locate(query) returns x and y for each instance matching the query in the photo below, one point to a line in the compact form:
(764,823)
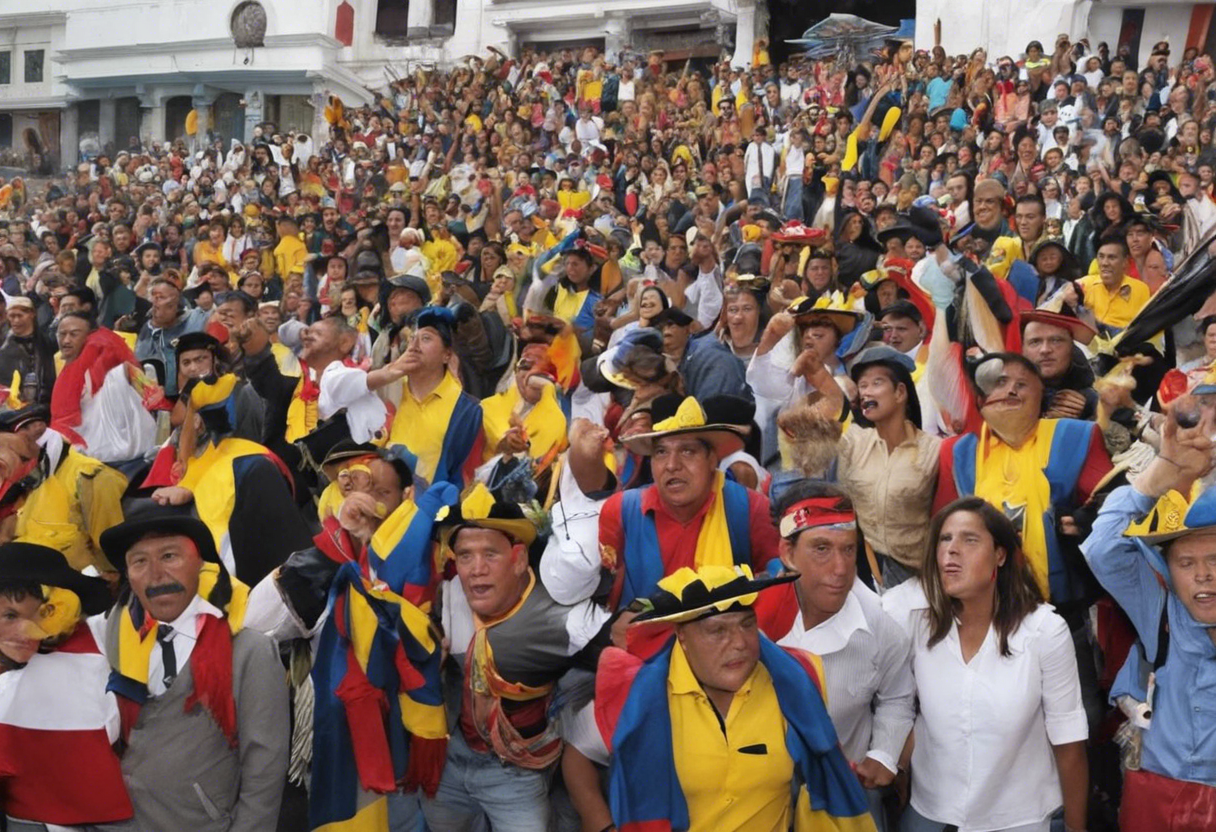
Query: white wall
(1002,27)
(16,39)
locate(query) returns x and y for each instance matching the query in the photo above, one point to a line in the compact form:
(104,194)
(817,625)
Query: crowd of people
(602,442)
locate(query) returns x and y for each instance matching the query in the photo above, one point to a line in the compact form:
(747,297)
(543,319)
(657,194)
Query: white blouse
(983,759)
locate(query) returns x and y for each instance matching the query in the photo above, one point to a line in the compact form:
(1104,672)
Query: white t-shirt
(588,129)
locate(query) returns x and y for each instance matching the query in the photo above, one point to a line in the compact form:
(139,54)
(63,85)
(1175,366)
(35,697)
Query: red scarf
(103,351)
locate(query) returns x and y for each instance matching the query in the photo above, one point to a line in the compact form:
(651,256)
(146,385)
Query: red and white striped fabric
(57,765)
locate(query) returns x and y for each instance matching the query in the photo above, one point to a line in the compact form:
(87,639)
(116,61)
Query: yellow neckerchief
(215,502)
(301,413)
(713,541)
(567,304)
(485,679)
(1012,479)
(135,649)
(545,423)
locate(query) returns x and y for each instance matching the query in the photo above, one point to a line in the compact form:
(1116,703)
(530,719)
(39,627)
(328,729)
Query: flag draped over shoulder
(379,719)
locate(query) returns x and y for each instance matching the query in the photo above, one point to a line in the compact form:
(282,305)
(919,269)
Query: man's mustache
(164,589)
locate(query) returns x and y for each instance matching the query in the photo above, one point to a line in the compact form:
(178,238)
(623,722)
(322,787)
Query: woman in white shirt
(237,240)
(999,743)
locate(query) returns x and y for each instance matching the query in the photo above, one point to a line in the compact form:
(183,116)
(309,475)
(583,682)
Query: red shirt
(678,541)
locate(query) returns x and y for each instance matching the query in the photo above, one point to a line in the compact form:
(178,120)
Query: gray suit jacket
(178,766)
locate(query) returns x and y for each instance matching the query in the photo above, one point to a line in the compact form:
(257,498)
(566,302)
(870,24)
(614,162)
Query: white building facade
(134,69)
(1005,27)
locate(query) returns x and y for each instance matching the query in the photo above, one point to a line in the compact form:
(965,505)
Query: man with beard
(1037,470)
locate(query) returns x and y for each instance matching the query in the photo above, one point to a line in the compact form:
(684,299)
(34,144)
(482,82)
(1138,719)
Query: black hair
(1027,199)
(84,294)
(87,317)
(244,299)
(1115,237)
(17,590)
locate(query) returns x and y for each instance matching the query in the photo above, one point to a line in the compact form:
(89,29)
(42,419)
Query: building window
(6,67)
(33,66)
(392,18)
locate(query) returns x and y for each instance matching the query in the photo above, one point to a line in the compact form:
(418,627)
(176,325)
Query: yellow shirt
(1115,309)
(728,790)
(289,257)
(422,425)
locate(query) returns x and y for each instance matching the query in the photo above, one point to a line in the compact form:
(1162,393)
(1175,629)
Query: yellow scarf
(1012,479)
(393,527)
(713,541)
(135,650)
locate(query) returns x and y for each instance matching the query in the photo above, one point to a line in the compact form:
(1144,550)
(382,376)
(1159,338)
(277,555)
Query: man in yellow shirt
(290,252)
(436,420)
(1112,295)
(722,730)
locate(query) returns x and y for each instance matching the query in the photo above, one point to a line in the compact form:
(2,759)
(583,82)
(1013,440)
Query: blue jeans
(405,812)
(793,199)
(874,798)
(481,786)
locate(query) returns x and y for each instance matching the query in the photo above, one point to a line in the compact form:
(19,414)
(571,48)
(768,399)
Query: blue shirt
(160,344)
(938,90)
(1181,741)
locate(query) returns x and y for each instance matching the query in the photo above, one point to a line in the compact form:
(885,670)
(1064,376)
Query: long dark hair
(1017,594)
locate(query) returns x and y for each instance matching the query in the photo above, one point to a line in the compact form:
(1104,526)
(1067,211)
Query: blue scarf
(643,789)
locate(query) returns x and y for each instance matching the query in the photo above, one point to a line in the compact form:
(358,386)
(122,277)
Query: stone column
(201,100)
(617,34)
(419,19)
(107,115)
(254,112)
(745,34)
(69,136)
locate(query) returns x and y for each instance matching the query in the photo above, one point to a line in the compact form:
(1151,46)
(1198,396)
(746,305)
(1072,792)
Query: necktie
(164,635)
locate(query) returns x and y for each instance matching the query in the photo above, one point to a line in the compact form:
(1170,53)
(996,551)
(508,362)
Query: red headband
(812,512)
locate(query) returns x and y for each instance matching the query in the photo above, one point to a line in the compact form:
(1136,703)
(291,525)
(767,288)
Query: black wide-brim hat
(32,562)
(145,516)
(688,595)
